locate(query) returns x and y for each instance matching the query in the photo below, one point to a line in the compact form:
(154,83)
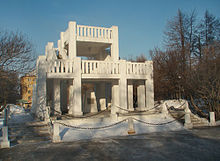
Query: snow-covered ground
(178,104)
(15,109)
(16,114)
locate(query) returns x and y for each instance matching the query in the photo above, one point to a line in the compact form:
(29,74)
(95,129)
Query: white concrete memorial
(90,55)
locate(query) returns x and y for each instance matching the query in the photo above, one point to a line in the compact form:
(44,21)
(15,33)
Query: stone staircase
(28,131)
(196,120)
(33,132)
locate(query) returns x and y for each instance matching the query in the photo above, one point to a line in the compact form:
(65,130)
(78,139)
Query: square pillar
(41,87)
(130,96)
(149,86)
(71,97)
(123,94)
(123,87)
(114,46)
(72,39)
(212,118)
(141,95)
(77,106)
(75,97)
(101,95)
(115,97)
(188,124)
(56,133)
(56,96)
(5,143)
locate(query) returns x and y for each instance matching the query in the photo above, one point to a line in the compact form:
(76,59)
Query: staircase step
(29,140)
(199,123)
(31,132)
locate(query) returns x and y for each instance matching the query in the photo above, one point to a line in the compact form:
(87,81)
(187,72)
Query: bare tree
(16,58)
(205,83)
(189,67)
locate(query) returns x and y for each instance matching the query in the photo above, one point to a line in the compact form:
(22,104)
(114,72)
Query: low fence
(130,120)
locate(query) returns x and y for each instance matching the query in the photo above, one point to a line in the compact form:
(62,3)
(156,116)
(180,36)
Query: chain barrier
(136,111)
(92,128)
(179,118)
(168,108)
(176,109)
(68,116)
(108,126)
(158,124)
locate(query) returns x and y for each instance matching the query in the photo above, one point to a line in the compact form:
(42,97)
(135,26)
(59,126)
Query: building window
(29,91)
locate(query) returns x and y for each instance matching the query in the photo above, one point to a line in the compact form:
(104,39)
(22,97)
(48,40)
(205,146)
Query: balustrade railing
(61,66)
(136,68)
(94,32)
(99,67)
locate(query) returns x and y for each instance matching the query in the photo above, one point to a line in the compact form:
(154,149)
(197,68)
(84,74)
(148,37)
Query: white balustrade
(61,66)
(94,32)
(136,68)
(99,67)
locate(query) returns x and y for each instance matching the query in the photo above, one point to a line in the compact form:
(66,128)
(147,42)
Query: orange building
(27,83)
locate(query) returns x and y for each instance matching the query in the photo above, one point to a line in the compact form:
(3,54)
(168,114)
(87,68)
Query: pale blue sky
(141,22)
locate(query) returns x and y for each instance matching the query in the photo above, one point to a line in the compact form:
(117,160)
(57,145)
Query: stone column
(72,39)
(123,87)
(71,97)
(114,47)
(130,96)
(76,102)
(93,105)
(149,86)
(149,89)
(101,96)
(115,97)
(41,87)
(56,96)
(141,96)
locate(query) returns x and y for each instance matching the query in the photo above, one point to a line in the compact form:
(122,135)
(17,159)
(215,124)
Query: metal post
(5,116)
(212,118)
(188,123)
(130,126)
(56,133)
(5,143)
